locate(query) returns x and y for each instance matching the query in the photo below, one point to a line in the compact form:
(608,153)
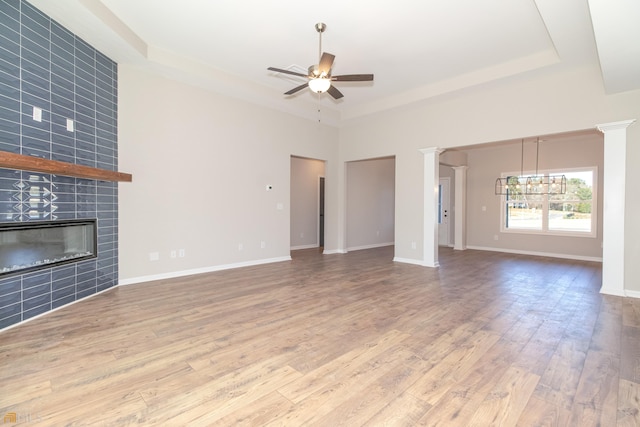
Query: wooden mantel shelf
(37,164)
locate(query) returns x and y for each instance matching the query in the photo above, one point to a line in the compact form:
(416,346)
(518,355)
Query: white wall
(305,175)
(370,203)
(486,164)
(200,165)
(551,100)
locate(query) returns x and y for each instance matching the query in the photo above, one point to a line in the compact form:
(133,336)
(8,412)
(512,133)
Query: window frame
(545,231)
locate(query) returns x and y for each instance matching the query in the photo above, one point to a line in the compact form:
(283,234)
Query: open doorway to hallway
(307,203)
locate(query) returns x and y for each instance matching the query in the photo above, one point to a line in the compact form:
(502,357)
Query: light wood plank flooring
(355,339)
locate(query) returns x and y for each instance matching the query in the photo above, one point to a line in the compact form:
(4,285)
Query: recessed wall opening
(28,246)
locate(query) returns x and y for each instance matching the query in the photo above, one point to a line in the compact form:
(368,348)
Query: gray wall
(486,164)
(370,203)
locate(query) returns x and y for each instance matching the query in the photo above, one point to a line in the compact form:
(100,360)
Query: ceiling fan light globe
(319,85)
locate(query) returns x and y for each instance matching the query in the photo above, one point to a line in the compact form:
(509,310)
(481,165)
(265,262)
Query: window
(572,213)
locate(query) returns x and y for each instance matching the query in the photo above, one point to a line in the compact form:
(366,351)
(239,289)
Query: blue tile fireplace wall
(45,66)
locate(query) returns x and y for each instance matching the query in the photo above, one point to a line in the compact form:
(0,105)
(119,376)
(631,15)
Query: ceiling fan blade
(353,78)
(326,61)
(334,92)
(296,89)
(293,73)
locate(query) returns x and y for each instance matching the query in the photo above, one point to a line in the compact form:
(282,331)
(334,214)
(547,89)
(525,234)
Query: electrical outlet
(173,254)
(413,245)
(263,245)
(154,256)
(181,253)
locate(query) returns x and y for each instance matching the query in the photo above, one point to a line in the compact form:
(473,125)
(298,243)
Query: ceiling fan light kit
(319,76)
(319,85)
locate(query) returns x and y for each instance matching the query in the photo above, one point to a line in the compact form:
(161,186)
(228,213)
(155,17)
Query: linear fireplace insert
(27,246)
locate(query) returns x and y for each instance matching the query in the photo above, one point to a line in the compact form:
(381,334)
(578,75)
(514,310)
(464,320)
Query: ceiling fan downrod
(320,27)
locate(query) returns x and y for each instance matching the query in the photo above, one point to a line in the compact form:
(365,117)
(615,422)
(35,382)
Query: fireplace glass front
(27,246)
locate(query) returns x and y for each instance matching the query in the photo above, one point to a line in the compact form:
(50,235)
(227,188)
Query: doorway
(321,212)
(444,212)
(307,219)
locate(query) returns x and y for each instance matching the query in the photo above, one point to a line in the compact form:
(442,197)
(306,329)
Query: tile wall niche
(43,65)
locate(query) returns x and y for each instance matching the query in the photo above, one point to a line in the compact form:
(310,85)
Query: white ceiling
(416,49)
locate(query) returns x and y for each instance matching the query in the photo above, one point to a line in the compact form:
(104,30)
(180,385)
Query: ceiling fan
(319,76)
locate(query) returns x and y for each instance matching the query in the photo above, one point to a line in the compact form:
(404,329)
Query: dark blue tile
(104,64)
(84,267)
(9,142)
(10,285)
(35,96)
(64,102)
(89,113)
(9,126)
(35,133)
(63,276)
(9,106)
(10,299)
(65,139)
(61,56)
(11,9)
(64,291)
(63,301)
(85,81)
(35,56)
(85,97)
(87,292)
(10,57)
(35,15)
(10,310)
(61,69)
(62,33)
(10,84)
(11,115)
(35,39)
(36,144)
(37,81)
(6,67)
(10,38)
(37,33)
(35,279)
(12,320)
(85,133)
(35,291)
(36,69)
(32,312)
(84,49)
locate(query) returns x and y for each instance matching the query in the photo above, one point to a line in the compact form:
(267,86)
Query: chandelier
(532,184)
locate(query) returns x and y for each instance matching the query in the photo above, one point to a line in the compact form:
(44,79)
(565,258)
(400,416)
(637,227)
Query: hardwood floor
(355,339)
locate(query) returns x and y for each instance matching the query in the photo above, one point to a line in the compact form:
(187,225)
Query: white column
(460,222)
(615,147)
(431,182)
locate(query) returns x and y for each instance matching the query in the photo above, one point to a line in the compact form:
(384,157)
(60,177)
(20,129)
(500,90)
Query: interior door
(443,212)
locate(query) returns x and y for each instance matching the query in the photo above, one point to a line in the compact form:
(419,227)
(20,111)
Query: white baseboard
(534,253)
(191,272)
(415,262)
(297,248)
(375,245)
(632,294)
(333,251)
